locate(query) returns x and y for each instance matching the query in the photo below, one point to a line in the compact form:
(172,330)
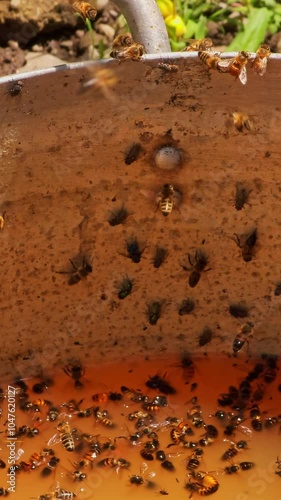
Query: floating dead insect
(125,288)
(205,336)
(118,217)
(186,307)
(168,68)
(133,153)
(160,384)
(75,371)
(159,256)
(168,198)
(134,250)
(247,246)
(241,196)
(103,79)
(124,47)
(277,290)
(259,64)
(242,122)
(85,9)
(204,44)
(244,335)
(204,483)
(154,311)
(15,88)
(198,264)
(78,273)
(239,310)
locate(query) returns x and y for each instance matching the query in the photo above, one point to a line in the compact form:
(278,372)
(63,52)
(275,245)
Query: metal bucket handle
(146,24)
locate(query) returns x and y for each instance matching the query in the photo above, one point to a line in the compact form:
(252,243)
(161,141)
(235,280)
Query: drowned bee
(235,66)
(245,333)
(85,9)
(168,198)
(259,64)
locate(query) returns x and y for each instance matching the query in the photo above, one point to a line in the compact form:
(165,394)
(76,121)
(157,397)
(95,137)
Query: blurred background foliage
(247,22)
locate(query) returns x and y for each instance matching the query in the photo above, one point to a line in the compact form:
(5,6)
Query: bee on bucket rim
(236,66)
(124,47)
(211,59)
(85,9)
(259,64)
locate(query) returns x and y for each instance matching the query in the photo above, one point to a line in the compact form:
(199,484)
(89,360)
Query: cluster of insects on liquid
(235,66)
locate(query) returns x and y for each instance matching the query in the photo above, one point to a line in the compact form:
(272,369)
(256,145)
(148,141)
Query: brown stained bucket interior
(63,175)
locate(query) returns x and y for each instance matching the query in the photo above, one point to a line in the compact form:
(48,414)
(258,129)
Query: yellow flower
(176,23)
(166,7)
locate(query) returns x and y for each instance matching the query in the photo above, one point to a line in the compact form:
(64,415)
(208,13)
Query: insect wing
(55,439)
(243,75)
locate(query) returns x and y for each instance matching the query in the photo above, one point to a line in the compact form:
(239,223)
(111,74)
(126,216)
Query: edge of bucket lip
(170,56)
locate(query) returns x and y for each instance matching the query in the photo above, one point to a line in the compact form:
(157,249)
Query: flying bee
(211,59)
(103,80)
(198,264)
(41,402)
(133,153)
(259,64)
(245,333)
(76,372)
(154,312)
(204,44)
(78,273)
(125,288)
(234,449)
(236,66)
(66,436)
(247,247)
(85,9)
(242,121)
(168,198)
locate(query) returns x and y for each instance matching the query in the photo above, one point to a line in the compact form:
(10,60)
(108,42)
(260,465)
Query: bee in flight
(103,79)
(242,121)
(204,44)
(124,47)
(259,64)
(85,9)
(235,66)
(167,198)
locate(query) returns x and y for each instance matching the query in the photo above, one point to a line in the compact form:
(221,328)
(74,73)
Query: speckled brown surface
(63,171)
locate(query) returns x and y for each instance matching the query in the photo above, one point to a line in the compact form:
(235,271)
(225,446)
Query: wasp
(167,198)
(248,245)
(85,9)
(133,153)
(259,64)
(66,436)
(76,372)
(78,273)
(118,217)
(160,384)
(125,288)
(235,66)
(198,264)
(245,333)
(211,59)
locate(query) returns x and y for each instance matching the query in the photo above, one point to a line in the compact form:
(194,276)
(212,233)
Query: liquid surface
(115,462)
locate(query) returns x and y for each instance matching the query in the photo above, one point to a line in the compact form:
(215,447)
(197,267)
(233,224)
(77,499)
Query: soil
(37,27)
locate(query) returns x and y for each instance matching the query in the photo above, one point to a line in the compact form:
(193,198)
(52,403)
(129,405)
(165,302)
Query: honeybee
(102,79)
(114,462)
(167,198)
(234,449)
(101,417)
(66,436)
(85,9)
(89,457)
(247,247)
(168,68)
(242,121)
(198,264)
(124,47)
(204,44)
(260,62)
(76,372)
(58,494)
(78,273)
(207,484)
(211,59)
(245,333)
(235,66)
(233,468)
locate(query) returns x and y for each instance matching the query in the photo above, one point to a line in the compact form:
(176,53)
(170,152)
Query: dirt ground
(35,28)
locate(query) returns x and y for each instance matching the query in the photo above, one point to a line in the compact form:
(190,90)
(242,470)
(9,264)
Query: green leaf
(190,29)
(254,32)
(201,29)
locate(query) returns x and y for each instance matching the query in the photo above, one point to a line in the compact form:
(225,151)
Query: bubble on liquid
(168,157)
